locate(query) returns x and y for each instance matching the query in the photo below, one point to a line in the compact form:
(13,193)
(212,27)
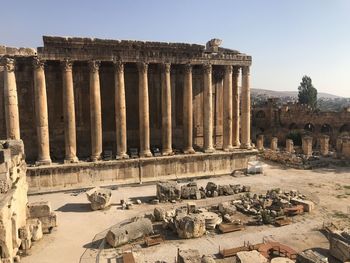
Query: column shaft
(95,111)
(245,108)
(208,109)
(166,110)
(236,108)
(41,113)
(227,125)
(144,128)
(11,100)
(69,113)
(120,111)
(187,111)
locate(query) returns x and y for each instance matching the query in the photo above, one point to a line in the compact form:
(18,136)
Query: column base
(43,162)
(189,151)
(167,152)
(209,150)
(95,158)
(146,154)
(228,148)
(246,146)
(71,160)
(122,156)
(237,145)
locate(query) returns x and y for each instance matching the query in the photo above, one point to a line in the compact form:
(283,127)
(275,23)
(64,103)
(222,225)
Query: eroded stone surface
(100,198)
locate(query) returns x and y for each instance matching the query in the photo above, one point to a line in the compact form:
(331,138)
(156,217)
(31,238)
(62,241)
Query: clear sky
(287,38)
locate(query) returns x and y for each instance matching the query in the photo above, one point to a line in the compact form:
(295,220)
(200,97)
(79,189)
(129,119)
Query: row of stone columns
(231,109)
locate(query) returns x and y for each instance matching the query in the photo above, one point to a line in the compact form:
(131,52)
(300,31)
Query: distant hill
(272,93)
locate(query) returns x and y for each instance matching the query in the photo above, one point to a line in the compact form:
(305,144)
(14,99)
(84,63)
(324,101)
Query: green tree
(307,93)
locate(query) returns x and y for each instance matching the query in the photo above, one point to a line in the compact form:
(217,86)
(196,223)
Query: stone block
(48,222)
(168,191)
(189,256)
(100,198)
(35,227)
(38,209)
(307,145)
(250,257)
(190,191)
(190,226)
(307,204)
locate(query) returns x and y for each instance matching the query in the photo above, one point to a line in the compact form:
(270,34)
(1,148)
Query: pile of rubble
(171,191)
(274,204)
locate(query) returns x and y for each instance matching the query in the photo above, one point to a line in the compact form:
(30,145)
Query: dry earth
(329,188)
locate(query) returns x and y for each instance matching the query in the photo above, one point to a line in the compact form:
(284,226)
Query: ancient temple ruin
(83,99)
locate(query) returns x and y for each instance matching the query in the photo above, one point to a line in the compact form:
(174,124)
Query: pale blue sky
(287,39)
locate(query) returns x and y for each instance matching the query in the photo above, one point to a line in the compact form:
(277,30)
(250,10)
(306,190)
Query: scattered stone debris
(339,242)
(100,198)
(120,235)
(311,256)
(168,191)
(190,191)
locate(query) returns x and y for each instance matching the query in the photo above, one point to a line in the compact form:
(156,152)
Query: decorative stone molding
(67,65)
(94,65)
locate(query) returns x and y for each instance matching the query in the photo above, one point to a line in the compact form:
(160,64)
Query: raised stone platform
(57,177)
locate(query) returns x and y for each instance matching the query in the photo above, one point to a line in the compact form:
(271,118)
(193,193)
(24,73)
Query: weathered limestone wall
(54,177)
(13,198)
(53,76)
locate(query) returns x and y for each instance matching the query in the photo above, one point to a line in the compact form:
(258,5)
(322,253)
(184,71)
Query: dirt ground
(72,242)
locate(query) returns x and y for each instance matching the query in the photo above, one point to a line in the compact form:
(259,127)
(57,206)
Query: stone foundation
(69,176)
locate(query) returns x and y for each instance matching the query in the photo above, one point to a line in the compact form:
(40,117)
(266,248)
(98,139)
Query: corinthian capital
(228,69)
(94,66)
(38,63)
(142,67)
(166,67)
(9,64)
(245,70)
(188,68)
(66,65)
(235,71)
(207,68)
(118,66)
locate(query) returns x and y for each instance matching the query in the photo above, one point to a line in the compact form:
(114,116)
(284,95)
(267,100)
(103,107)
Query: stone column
(144,110)
(120,111)
(236,108)
(69,113)
(324,145)
(274,144)
(290,146)
(339,143)
(11,100)
(307,145)
(95,111)
(346,147)
(227,125)
(260,142)
(208,109)
(166,110)
(41,113)
(245,109)
(188,111)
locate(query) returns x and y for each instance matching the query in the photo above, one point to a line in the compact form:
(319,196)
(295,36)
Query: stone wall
(58,177)
(13,198)
(272,120)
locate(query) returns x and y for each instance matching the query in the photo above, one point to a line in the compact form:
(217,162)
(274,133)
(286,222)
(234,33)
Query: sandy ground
(71,241)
